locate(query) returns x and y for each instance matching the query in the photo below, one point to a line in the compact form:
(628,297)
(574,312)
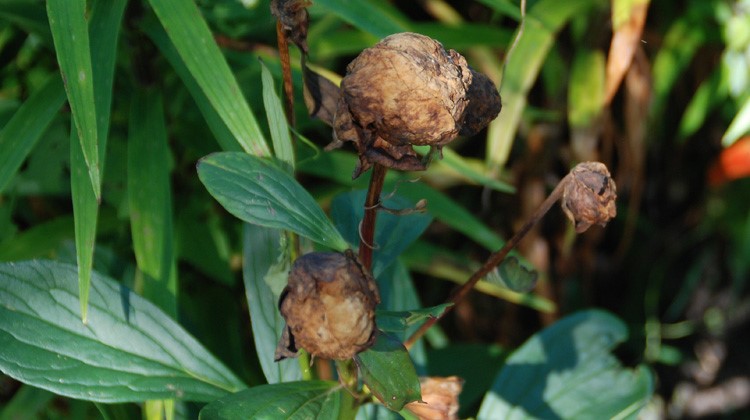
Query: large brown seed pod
(329,307)
(408,90)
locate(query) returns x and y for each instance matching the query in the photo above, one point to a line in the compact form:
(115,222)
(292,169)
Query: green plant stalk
(493,260)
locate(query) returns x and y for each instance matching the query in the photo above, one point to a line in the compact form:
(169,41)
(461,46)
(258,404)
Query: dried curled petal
(589,197)
(329,307)
(408,90)
(439,398)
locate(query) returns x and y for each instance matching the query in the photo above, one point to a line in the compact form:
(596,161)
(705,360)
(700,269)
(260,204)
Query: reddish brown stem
(286,70)
(367,228)
(493,260)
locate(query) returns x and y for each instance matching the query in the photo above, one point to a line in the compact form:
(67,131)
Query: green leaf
(393,233)
(26,127)
(27,403)
(30,16)
(586,88)
(85,215)
(150,200)
(259,192)
(567,371)
(194,43)
(389,372)
(399,321)
(128,351)
(514,275)
(292,400)
(67,20)
(374,17)
(282,141)
(260,253)
(739,126)
(543,20)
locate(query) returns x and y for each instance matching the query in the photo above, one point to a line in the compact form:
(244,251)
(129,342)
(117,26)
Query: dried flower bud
(329,307)
(439,398)
(294,19)
(589,196)
(408,90)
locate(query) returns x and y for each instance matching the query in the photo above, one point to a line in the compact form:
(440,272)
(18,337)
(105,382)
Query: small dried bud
(408,90)
(439,398)
(294,19)
(329,307)
(589,196)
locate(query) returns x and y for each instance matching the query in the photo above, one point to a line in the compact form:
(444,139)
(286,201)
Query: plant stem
(372,204)
(286,71)
(493,260)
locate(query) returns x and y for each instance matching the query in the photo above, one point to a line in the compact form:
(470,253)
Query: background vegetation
(658,91)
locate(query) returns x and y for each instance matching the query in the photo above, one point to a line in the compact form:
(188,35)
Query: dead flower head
(329,307)
(439,398)
(589,196)
(408,90)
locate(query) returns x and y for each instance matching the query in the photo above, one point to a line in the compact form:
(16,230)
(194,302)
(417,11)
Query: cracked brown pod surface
(589,196)
(408,90)
(329,307)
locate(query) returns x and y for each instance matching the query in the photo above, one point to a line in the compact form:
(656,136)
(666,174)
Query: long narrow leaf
(193,41)
(129,350)
(282,141)
(260,250)
(26,127)
(543,21)
(150,202)
(67,20)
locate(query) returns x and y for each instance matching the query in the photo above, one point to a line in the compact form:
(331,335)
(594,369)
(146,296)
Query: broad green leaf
(388,371)
(216,124)
(393,233)
(128,351)
(567,371)
(259,192)
(85,215)
(739,126)
(374,17)
(399,321)
(194,43)
(67,20)
(26,127)
(543,20)
(288,401)
(282,141)
(260,251)
(150,200)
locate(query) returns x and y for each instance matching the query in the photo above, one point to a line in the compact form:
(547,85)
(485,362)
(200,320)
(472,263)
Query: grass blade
(194,43)
(26,127)
(150,201)
(282,141)
(67,20)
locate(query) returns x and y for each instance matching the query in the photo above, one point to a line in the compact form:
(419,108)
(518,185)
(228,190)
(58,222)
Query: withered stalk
(286,71)
(494,259)
(372,204)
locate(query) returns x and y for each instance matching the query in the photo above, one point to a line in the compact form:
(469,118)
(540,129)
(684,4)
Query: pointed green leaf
(128,351)
(739,127)
(568,371)
(195,44)
(150,200)
(377,18)
(67,20)
(26,127)
(399,321)
(259,192)
(260,252)
(388,371)
(287,401)
(282,141)
(514,275)
(85,215)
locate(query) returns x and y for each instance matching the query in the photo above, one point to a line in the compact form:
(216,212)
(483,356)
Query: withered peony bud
(294,19)
(439,398)
(408,90)
(589,197)
(329,307)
